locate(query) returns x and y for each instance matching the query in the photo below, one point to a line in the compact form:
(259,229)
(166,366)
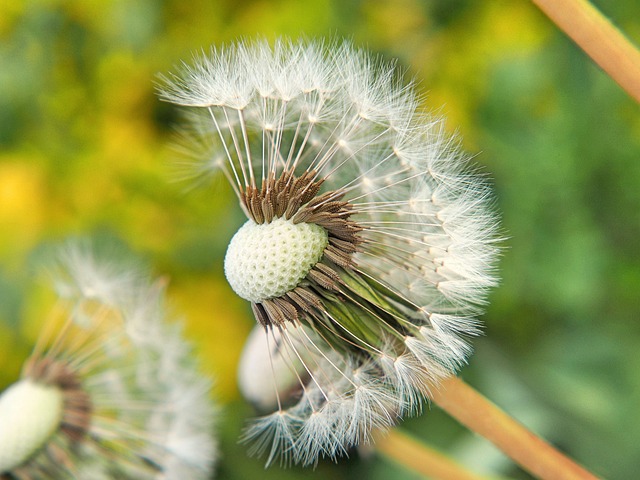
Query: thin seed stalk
(421,458)
(480,415)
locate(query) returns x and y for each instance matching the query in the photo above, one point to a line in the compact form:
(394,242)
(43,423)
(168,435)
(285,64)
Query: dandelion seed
(369,246)
(110,390)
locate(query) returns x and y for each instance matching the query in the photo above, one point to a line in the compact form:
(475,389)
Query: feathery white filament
(267,260)
(29,414)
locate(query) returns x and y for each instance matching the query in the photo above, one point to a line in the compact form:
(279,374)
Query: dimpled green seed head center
(267,260)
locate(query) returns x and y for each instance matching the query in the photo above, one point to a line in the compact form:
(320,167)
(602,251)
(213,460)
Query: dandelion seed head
(100,399)
(391,241)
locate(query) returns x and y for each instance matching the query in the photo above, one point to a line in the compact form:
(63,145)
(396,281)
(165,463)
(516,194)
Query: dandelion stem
(421,458)
(480,415)
(602,41)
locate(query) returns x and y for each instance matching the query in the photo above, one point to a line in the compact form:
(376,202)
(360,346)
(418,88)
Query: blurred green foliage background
(85,150)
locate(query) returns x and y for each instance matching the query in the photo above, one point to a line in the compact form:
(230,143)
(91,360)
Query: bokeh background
(85,150)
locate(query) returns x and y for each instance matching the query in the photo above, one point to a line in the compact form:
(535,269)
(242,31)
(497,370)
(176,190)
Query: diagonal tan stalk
(480,415)
(421,458)
(603,42)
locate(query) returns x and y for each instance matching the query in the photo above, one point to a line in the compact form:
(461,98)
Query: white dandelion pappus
(369,246)
(111,389)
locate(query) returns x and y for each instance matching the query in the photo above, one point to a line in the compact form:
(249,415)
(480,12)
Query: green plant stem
(421,458)
(480,415)
(603,42)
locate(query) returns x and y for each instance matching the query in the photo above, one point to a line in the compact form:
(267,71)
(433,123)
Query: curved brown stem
(603,42)
(480,415)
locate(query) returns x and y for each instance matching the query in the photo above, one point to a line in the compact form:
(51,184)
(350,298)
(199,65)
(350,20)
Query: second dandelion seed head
(110,390)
